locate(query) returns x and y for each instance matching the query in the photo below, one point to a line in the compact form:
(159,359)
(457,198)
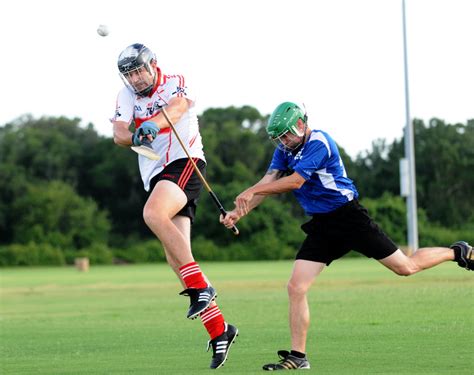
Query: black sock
(457,253)
(296,354)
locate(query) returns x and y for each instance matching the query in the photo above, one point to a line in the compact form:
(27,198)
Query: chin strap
(305,120)
(305,133)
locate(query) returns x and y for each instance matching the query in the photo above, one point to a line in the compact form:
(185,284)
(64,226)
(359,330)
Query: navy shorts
(182,173)
(332,235)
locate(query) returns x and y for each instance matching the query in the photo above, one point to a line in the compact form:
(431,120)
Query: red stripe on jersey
(169,147)
(191,142)
(141,120)
(138,122)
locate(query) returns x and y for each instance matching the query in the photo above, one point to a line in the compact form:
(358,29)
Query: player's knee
(296,289)
(152,216)
(405,269)
(148,215)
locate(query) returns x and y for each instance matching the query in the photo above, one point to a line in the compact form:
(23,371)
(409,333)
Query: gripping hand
(149,128)
(136,138)
(146,131)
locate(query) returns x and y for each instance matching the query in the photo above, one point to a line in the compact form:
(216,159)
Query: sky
(342,58)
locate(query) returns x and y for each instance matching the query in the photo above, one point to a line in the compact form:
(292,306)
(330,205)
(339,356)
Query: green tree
(13,184)
(445,165)
(389,212)
(444,156)
(50,148)
(51,212)
(54,171)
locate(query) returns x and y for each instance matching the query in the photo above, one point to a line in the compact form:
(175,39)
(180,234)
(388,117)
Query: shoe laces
(293,362)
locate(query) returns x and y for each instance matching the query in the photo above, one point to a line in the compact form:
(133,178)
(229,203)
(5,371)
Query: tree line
(66,191)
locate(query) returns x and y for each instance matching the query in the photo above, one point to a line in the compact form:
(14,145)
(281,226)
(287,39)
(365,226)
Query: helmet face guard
(283,127)
(288,141)
(134,62)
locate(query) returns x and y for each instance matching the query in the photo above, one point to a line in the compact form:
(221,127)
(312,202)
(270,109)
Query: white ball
(103,30)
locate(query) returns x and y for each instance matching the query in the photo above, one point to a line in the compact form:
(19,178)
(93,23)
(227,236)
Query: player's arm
(245,200)
(175,109)
(122,118)
(271,176)
(277,186)
(122,136)
(233,216)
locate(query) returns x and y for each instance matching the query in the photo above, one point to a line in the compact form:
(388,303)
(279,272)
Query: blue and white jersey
(327,186)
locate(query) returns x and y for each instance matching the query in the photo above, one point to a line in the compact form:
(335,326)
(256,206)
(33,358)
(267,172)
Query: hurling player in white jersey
(173,185)
(307,162)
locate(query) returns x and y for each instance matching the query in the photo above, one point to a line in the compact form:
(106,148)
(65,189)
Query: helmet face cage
(131,61)
(283,145)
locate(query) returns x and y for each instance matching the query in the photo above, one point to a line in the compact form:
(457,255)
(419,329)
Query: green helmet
(284,119)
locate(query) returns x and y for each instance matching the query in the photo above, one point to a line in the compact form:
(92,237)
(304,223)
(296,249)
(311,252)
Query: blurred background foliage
(66,191)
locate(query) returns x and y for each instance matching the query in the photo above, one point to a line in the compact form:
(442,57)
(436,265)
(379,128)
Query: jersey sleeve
(178,88)
(314,157)
(279,161)
(124,106)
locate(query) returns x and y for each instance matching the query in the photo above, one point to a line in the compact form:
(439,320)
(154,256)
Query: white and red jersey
(132,107)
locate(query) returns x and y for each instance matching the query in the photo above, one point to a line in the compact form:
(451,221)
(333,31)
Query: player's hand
(137,138)
(149,130)
(230,219)
(242,202)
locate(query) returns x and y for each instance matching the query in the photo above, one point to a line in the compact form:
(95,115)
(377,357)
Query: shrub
(30,254)
(204,249)
(141,252)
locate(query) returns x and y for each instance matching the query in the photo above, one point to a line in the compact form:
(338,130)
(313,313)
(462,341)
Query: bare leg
(304,273)
(183,223)
(422,259)
(166,200)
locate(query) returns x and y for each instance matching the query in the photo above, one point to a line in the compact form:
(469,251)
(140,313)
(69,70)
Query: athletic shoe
(288,362)
(466,258)
(200,300)
(221,346)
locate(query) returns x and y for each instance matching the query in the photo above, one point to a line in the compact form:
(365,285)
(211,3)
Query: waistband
(340,210)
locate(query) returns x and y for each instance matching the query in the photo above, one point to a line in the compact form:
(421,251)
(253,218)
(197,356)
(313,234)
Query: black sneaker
(200,300)
(466,259)
(221,346)
(288,362)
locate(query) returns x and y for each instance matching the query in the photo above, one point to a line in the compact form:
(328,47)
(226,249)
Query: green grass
(130,320)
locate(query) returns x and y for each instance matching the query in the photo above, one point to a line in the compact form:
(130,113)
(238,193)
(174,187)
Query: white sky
(342,58)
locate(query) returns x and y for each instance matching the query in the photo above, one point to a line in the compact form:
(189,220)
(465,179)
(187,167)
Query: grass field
(130,320)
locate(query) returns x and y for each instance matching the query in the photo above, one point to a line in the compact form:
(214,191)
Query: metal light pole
(409,155)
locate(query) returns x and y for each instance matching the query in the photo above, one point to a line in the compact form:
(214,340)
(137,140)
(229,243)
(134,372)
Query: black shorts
(182,173)
(334,234)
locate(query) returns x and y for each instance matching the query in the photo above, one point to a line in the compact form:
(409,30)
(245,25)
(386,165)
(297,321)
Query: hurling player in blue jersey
(307,162)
